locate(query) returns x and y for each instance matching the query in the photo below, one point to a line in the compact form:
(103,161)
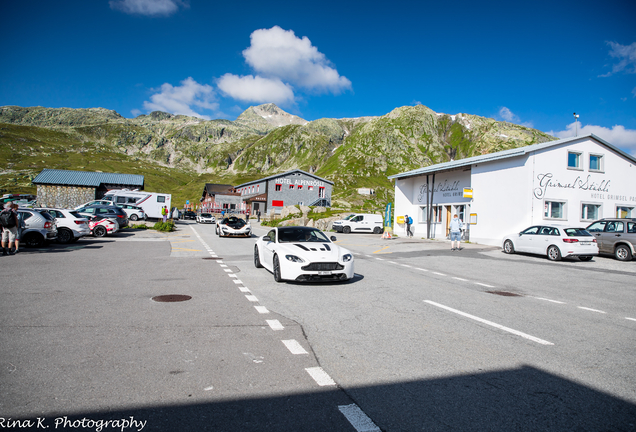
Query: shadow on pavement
(522,399)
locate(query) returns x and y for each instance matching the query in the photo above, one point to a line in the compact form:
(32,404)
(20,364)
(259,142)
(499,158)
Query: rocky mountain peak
(270,114)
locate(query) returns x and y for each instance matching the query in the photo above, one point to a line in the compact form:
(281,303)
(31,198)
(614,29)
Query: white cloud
(507,115)
(626,55)
(181,99)
(617,135)
(256,89)
(148,7)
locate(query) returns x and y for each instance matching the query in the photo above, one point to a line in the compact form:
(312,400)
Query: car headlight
(294,258)
(347,258)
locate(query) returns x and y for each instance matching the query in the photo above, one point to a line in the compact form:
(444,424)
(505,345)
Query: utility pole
(576,124)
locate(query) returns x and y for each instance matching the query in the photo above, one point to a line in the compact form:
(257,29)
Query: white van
(360,222)
(150,202)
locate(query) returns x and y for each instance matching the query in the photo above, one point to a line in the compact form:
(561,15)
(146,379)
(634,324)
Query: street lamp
(576,124)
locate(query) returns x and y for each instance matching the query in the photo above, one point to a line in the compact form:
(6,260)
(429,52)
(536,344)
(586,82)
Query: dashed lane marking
(549,300)
(490,323)
(460,279)
(261,309)
(244,289)
(320,376)
(358,419)
(275,325)
(251,298)
(294,347)
(590,309)
(380,250)
(484,285)
(631,319)
(439,274)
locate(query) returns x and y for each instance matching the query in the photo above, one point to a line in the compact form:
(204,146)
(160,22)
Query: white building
(570,181)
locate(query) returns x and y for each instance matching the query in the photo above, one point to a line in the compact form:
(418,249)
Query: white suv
(134,212)
(71,226)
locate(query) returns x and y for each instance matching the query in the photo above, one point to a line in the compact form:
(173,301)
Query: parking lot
(422,338)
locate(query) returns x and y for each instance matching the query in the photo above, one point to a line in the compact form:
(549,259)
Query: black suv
(110,212)
(616,236)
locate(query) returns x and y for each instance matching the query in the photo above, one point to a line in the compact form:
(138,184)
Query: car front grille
(323,266)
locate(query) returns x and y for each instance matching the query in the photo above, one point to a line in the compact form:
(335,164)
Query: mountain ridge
(264,140)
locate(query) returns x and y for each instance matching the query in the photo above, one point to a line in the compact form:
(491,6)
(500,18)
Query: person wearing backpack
(408,221)
(9,222)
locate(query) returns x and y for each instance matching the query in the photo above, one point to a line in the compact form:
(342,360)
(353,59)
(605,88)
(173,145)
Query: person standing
(164,213)
(9,222)
(21,225)
(456,226)
(258,215)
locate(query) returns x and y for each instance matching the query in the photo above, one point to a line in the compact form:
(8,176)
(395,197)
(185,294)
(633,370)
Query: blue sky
(531,63)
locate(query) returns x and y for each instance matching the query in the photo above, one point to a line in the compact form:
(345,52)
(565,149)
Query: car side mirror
(332,238)
(520,234)
(266,238)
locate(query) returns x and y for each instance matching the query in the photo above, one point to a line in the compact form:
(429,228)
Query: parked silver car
(615,236)
(40,227)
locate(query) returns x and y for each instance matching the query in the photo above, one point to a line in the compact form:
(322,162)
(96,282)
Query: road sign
(468,192)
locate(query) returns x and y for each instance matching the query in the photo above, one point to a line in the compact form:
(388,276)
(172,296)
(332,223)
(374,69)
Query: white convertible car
(233,227)
(302,254)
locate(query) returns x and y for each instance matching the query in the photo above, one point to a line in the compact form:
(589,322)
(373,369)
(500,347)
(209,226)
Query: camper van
(150,202)
(371,223)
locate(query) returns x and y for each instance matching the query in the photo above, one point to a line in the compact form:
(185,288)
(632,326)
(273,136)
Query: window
(310,188)
(321,192)
(554,210)
(574,160)
(161,198)
(597,227)
(258,188)
(531,230)
(278,187)
(590,212)
(132,200)
(291,186)
(631,227)
(437,214)
(121,199)
(596,163)
(625,212)
(300,186)
(614,226)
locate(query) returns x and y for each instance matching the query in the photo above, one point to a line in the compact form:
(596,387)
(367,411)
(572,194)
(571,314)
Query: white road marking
(220,261)
(251,298)
(484,285)
(590,309)
(238,281)
(458,278)
(232,275)
(275,325)
(244,289)
(405,265)
(553,301)
(421,269)
(228,270)
(294,347)
(208,388)
(261,309)
(379,259)
(223,265)
(490,323)
(391,262)
(320,376)
(358,419)
(439,274)
(631,319)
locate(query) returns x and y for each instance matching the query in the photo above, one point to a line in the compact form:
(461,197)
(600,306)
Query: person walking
(456,226)
(21,225)
(408,221)
(9,222)
(258,215)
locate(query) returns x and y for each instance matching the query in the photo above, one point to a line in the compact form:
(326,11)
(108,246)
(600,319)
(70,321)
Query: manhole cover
(213,258)
(504,293)
(169,298)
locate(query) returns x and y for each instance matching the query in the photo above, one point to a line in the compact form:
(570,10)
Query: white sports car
(206,218)
(302,254)
(233,227)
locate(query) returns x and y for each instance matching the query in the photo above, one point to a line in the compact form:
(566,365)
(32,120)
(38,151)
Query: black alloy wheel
(257,258)
(34,240)
(277,276)
(99,231)
(64,235)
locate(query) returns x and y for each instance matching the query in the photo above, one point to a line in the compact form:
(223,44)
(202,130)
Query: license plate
(324,273)
(586,243)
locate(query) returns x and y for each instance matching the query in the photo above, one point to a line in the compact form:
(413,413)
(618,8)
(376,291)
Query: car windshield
(301,235)
(206,215)
(576,232)
(234,222)
(349,217)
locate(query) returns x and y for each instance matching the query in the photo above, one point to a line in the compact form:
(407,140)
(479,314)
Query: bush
(139,226)
(164,226)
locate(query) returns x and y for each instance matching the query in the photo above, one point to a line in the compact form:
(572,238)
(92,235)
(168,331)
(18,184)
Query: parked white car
(134,212)
(554,241)
(71,226)
(303,254)
(360,222)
